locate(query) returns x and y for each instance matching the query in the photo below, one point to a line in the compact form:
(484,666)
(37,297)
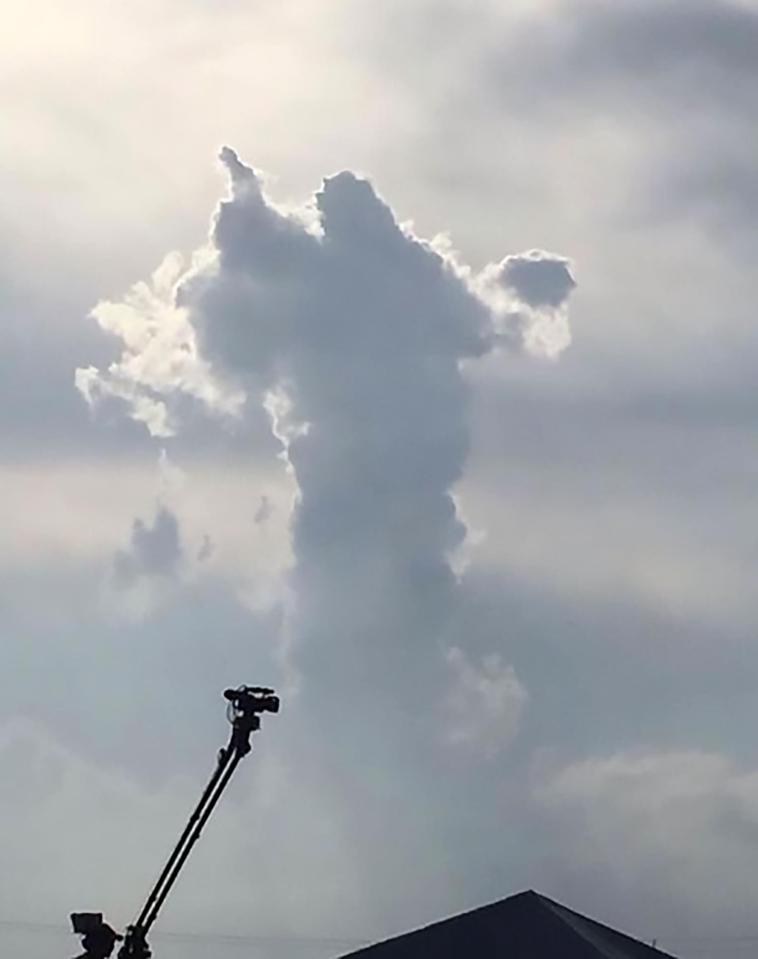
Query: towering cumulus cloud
(352,332)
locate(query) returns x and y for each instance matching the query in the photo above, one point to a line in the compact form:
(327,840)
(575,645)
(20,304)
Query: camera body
(98,938)
(85,922)
(249,700)
(246,703)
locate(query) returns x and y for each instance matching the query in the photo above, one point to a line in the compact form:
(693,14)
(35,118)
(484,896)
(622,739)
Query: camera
(98,938)
(246,703)
(253,699)
(244,708)
(86,922)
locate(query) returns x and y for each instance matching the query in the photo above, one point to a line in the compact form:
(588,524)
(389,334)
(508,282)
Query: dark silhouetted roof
(525,926)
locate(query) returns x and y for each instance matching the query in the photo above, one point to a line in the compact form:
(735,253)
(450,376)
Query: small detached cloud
(528,294)
(154,551)
(538,279)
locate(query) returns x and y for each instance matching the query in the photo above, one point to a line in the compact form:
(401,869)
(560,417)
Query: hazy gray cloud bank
(680,42)
(351,331)
(610,603)
(680,76)
(684,824)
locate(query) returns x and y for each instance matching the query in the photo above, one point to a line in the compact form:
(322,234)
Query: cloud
(538,286)
(206,549)
(351,331)
(676,41)
(154,550)
(264,512)
(678,828)
(292,267)
(500,195)
(160,357)
(66,820)
(640,54)
(537,278)
(674,81)
(152,566)
(485,702)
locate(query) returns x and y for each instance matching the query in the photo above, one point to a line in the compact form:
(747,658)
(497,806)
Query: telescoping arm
(245,704)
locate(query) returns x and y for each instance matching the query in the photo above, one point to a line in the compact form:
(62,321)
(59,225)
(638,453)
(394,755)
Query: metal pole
(223,760)
(246,703)
(148,917)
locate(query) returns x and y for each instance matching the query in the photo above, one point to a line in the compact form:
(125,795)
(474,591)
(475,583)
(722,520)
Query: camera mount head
(246,703)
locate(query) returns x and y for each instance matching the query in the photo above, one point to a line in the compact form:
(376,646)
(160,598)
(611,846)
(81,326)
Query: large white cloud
(351,331)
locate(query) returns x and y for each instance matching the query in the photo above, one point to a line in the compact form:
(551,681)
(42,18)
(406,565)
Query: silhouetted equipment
(245,704)
(98,938)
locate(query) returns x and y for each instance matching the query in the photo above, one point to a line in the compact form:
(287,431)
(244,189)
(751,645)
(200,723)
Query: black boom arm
(245,705)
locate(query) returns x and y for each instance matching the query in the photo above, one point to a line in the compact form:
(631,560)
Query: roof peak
(527,924)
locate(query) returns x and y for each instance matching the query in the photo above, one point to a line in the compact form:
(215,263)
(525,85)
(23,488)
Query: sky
(401,357)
